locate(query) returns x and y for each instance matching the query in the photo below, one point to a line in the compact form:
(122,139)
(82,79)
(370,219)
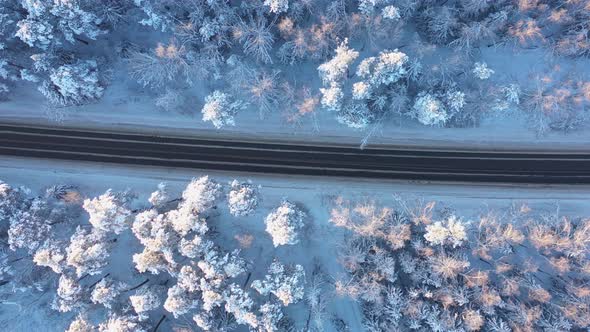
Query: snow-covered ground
(128,107)
(320,243)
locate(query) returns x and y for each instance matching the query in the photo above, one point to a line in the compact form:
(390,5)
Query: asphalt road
(296,158)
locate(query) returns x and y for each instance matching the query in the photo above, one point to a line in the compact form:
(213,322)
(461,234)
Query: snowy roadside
(142,117)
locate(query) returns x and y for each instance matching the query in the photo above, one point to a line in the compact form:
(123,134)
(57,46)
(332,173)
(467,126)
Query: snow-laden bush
(109,212)
(335,70)
(391,13)
(243,198)
(448,232)
(435,109)
(156,19)
(367,7)
(284,224)
(481,71)
(285,282)
(356,115)
(220,108)
(277,6)
(171,100)
(160,196)
(73,83)
(429,110)
(195,247)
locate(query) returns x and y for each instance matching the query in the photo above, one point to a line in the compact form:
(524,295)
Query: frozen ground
(128,107)
(31,311)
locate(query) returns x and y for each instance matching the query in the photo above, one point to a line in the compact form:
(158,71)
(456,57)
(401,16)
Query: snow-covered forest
(367,65)
(217,256)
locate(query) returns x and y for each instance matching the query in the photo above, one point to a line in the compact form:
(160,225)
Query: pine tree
(284,224)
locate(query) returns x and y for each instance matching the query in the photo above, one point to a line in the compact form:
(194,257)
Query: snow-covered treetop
(144,300)
(239,303)
(387,68)
(109,212)
(44,18)
(448,232)
(81,324)
(160,196)
(243,198)
(332,97)
(429,110)
(52,255)
(88,251)
(285,282)
(277,6)
(334,71)
(118,323)
(74,83)
(284,223)
(220,108)
(106,292)
(356,115)
(69,295)
(481,71)
(200,195)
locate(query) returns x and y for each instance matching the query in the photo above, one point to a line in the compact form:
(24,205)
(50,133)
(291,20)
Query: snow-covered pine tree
(243,198)
(284,223)
(285,282)
(220,108)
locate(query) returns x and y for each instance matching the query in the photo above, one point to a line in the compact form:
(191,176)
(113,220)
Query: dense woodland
(113,263)
(363,61)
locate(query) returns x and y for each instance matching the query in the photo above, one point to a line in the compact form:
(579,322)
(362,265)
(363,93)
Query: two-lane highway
(296,158)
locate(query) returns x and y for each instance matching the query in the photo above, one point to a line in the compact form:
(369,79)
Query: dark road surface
(296,158)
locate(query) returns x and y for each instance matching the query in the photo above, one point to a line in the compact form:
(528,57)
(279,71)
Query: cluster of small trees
(187,272)
(420,267)
(35,37)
